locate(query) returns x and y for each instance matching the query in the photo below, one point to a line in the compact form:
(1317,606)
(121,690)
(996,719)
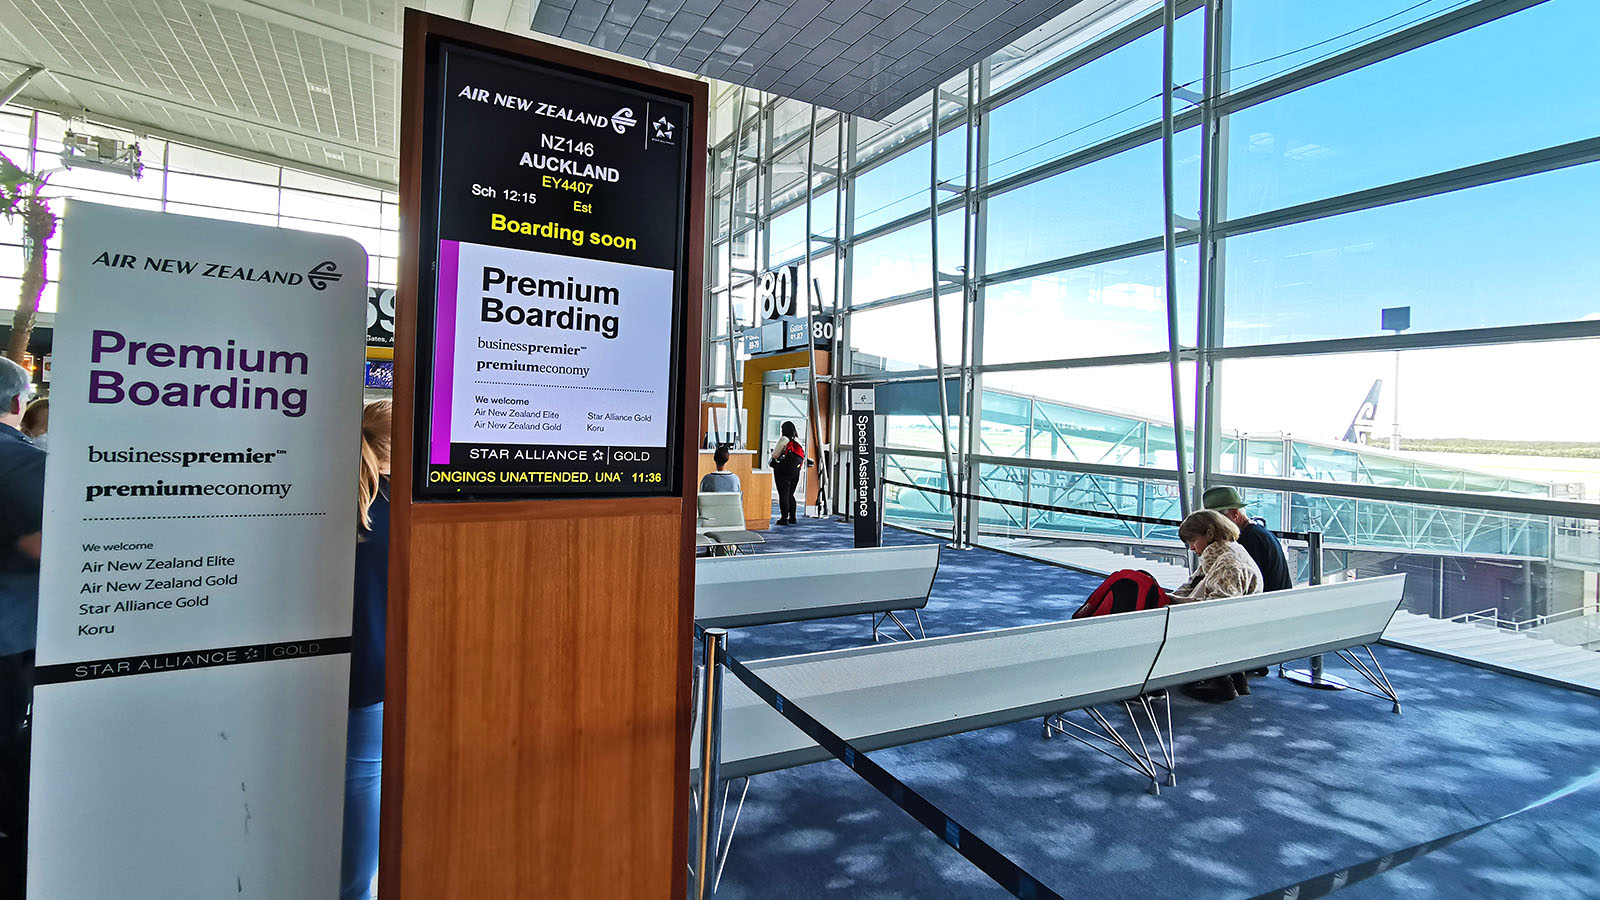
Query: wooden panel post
(536,739)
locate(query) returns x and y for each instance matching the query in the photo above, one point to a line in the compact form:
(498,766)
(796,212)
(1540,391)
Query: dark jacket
(1263,547)
(21,498)
(369,625)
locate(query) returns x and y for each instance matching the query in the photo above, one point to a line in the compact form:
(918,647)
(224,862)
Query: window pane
(10,288)
(341,209)
(324,185)
(1103,204)
(369,238)
(717,361)
(1475,419)
(1153,497)
(225,214)
(789,176)
(953,160)
(14,130)
(824,280)
(899,338)
(1105,97)
(873,139)
(1275,36)
(11,262)
(205,162)
(1117,415)
(1530,73)
(1103,310)
(68,182)
(746,254)
(1506,566)
(716,313)
(789,119)
(149,203)
(897,188)
(1440,256)
(919,508)
(221,192)
(1060,36)
(788,228)
(899,262)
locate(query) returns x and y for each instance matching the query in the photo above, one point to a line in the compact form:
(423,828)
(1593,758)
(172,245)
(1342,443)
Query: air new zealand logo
(322,273)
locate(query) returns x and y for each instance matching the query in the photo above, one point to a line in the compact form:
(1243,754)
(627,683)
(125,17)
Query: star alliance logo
(663,129)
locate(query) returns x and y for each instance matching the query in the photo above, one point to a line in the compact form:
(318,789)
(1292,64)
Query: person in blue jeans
(364,748)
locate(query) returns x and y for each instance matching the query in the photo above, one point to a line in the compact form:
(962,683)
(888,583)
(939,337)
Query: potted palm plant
(20,198)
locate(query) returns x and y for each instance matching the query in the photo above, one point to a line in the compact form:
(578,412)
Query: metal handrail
(1492,616)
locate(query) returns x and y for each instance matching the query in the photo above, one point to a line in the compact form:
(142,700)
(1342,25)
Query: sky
(1515,252)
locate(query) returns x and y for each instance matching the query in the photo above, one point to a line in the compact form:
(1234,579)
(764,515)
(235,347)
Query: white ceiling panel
(316,82)
(313,83)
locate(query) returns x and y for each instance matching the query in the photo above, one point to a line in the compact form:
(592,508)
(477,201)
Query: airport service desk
(755,484)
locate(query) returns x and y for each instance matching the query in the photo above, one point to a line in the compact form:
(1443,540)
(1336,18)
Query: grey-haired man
(21,527)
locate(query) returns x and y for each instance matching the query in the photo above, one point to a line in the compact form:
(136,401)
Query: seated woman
(1225,569)
(721,481)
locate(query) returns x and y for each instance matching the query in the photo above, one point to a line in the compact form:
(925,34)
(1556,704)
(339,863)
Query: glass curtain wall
(1386,301)
(198,182)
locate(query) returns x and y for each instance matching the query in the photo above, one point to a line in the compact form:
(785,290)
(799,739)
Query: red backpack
(1126,590)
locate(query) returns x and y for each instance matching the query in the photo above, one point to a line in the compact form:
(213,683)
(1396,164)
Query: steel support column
(1213,209)
(804,290)
(733,228)
(1170,246)
(938,325)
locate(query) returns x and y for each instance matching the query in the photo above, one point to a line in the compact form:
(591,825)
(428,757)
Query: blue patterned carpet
(1279,786)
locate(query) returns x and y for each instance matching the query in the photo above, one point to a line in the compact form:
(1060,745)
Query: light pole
(1395,319)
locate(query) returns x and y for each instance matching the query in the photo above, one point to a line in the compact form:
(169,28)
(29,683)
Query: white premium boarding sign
(199,539)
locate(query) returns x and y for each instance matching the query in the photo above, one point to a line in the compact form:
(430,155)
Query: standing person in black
(368,632)
(788,458)
(21,528)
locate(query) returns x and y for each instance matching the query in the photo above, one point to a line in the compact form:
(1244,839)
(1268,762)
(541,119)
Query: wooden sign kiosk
(537,715)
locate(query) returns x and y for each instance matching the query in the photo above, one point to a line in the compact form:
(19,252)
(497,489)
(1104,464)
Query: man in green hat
(1261,544)
(1263,547)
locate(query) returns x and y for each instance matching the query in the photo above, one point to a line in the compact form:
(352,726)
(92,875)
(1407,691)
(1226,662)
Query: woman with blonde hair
(1225,569)
(364,747)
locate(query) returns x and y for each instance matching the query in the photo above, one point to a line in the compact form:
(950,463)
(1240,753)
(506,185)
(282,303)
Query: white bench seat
(1217,637)
(892,694)
(885,696)
(766,589)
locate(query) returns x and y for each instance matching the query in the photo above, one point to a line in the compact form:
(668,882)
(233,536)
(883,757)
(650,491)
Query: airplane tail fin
(1366,416)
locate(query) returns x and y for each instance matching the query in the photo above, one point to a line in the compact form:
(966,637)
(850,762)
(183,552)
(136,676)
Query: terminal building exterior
(1338,257)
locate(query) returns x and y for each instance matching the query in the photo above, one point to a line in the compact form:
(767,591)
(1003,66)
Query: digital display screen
(553,235)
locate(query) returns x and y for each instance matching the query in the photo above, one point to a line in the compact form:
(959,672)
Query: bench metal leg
(724,842)
(879,618)
(1104,735)
(1313,677)
(1165,741)
(1374,674)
